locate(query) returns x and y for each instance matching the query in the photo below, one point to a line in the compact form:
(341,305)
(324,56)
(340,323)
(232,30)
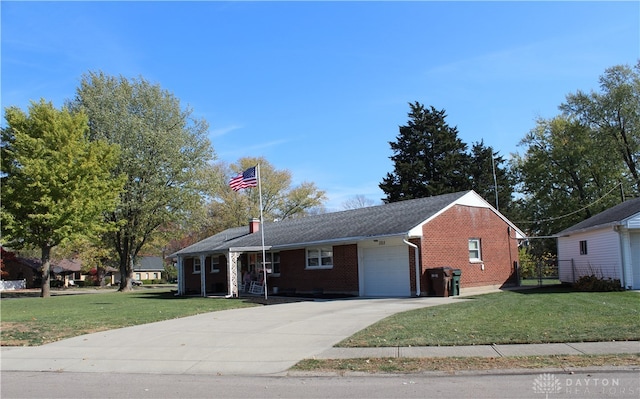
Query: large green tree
(582,161)
(429,158)
(56,183)
(164,155)
(613,115)
(563,176)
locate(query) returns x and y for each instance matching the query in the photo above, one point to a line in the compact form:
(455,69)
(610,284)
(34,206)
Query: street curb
(461,373)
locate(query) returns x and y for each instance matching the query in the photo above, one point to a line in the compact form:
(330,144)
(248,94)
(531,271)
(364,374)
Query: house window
(215,264)
(474,249)
(196,266)
(583,247)
(320,258)
(273,262)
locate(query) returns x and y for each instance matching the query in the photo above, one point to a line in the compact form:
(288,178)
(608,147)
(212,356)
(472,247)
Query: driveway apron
(250,341)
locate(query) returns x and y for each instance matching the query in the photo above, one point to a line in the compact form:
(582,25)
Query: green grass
(541,315)
(35,321)
(454,364)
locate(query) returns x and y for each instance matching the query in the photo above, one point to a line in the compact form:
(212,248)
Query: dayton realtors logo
(546,383)
(582,387)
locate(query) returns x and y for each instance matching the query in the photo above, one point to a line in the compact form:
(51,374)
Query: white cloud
(221,131)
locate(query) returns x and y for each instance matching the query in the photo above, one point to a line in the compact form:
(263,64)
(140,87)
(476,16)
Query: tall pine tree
(429,158)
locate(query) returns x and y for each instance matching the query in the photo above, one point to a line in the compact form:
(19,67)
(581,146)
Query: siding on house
(603,257)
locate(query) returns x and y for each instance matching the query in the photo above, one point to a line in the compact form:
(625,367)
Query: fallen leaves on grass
(453,364)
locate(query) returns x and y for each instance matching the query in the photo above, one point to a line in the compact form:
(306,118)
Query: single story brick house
(606,245)
(381,251)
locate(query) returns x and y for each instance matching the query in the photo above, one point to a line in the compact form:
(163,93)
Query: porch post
(232,272)
(203,282)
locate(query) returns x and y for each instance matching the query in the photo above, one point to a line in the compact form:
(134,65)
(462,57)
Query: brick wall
(214,282)
(191,281)
(446,243)
(342,278)
(412,266)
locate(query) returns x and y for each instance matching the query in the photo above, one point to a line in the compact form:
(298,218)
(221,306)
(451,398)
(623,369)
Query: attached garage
(385,271)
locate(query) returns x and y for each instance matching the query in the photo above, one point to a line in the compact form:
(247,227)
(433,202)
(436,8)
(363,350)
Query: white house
(606,245)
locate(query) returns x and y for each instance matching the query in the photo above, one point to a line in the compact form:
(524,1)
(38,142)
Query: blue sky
(320,88)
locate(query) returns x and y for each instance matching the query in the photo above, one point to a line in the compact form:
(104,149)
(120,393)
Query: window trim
(584,250)
(270,264)
(477,259)
(319,258)
(196,261)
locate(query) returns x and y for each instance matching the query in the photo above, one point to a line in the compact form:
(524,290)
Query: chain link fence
(539,273)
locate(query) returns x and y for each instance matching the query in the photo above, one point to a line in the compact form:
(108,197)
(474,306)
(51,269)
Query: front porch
(239,271)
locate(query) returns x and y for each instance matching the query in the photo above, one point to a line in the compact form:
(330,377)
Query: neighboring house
(146,268)
(69,270)
(382,250)
(606,245)
(63,273)
(18,268)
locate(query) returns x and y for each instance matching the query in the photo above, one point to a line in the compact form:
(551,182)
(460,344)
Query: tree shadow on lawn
(547,289)
(257,299)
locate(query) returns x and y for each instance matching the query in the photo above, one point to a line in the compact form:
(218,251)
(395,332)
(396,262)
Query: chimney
(254,225)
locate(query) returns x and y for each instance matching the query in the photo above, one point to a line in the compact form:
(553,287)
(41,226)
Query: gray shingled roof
(396,218)
(148,263)
(609,217)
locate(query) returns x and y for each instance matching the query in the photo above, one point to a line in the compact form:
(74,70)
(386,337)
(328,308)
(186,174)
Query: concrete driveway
(250,341)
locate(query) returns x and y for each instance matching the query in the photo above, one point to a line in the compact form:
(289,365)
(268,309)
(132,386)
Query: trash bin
(455,282)
(438,281)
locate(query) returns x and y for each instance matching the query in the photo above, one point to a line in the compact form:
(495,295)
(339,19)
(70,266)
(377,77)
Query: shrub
(592,283)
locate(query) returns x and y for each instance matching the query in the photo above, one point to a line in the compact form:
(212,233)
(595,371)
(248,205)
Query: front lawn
(36,321)
(541,315)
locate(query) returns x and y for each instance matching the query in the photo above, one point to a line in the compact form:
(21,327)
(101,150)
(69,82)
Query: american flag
(244,180)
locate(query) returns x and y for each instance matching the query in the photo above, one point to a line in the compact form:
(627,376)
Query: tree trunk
(126,273)
(46,267)
(100,273)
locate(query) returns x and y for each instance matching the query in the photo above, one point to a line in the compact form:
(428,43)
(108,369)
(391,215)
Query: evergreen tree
(429,158)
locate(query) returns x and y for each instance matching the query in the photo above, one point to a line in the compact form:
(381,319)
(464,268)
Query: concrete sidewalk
(574,348)
(263,340)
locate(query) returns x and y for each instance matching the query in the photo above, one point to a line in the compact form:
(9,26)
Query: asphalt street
(539,384)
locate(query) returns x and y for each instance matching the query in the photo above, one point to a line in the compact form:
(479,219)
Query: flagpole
(264,257)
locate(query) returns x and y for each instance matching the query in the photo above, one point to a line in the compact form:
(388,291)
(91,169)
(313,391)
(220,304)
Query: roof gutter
(338,241)
(417,262)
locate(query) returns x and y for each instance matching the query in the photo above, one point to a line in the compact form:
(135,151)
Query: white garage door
(386,271)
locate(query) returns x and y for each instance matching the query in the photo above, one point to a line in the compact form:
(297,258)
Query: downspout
(417,263)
